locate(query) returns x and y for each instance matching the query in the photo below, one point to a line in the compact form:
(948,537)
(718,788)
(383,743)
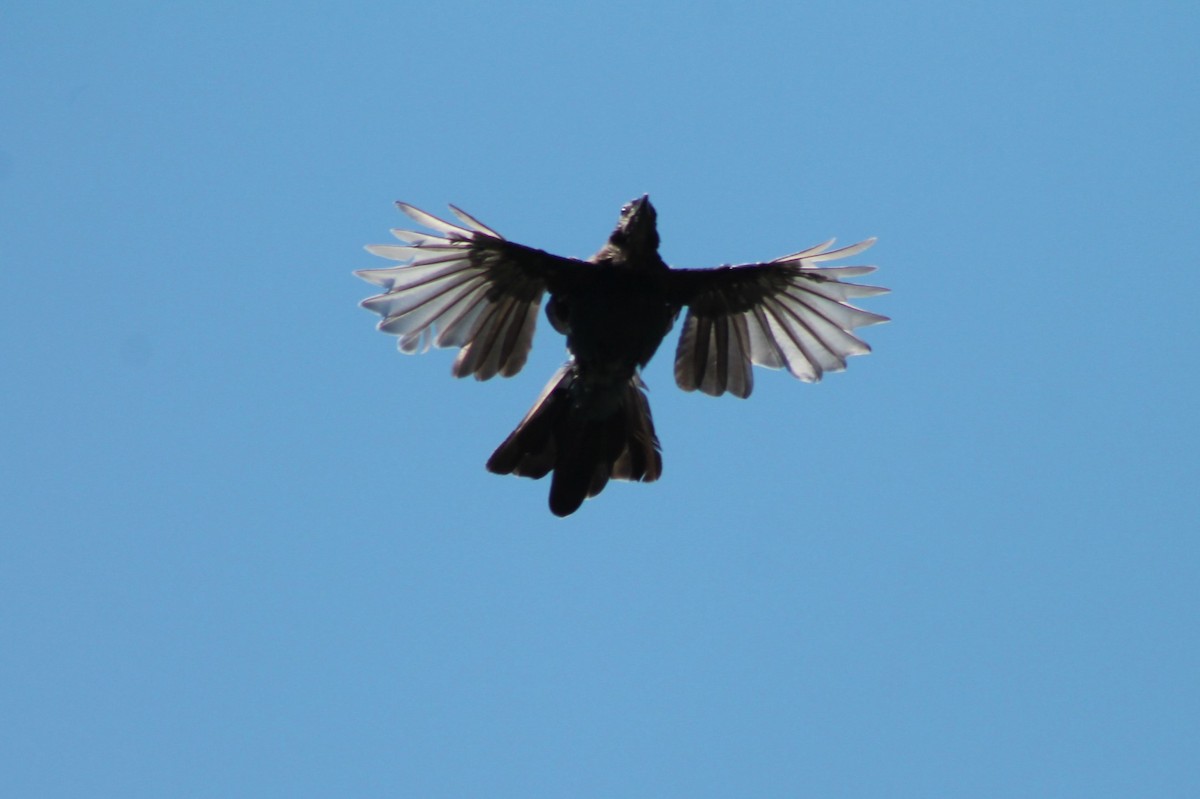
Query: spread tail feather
(584,439)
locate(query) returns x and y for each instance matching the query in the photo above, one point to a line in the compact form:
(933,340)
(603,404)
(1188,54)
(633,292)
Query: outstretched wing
(792,312)
(464,286)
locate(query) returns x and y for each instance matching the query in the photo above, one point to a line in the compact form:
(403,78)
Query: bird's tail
(584,437)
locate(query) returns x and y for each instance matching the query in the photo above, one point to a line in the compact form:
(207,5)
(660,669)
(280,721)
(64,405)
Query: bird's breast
(616,318)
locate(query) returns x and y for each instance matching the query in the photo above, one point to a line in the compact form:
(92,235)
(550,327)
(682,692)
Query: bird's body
(470,288)
(614,317)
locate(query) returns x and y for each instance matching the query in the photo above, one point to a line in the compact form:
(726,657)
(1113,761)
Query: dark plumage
(467,287)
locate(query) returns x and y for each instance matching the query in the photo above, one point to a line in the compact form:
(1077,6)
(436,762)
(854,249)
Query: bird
(464,285)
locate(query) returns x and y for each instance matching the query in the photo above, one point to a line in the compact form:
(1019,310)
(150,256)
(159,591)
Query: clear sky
(249,549)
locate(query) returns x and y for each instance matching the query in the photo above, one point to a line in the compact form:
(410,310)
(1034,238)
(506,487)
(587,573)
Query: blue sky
(249,549)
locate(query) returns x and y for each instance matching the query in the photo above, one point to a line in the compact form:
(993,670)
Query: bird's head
(635,237)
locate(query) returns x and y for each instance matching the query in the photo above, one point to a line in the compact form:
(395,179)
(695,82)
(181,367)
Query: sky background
(248,549)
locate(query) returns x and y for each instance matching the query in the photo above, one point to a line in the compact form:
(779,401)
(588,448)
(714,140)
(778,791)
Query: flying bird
(464,285)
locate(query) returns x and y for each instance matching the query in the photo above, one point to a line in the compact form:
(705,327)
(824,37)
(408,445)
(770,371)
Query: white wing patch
(805,325)
(455,289)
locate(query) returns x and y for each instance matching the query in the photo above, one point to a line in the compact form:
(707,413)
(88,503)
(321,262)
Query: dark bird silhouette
(466,286)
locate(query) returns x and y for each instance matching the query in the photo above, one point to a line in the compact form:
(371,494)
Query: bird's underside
(465,286)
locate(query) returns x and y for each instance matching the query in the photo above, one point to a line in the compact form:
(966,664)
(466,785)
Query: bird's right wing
(792,312)
(464,287)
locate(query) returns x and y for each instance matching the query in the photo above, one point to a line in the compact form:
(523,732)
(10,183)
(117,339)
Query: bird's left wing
(463,286)
(792,312)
